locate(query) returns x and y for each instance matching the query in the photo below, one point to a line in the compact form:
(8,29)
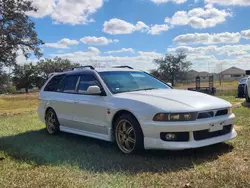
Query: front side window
(85,82)
(70,84)
(127,81)
(54,83)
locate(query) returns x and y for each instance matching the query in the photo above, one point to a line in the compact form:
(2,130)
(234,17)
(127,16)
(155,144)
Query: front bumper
(152,130)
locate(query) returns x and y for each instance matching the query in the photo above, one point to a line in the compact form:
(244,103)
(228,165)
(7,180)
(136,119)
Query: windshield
(243,80)
(127,81)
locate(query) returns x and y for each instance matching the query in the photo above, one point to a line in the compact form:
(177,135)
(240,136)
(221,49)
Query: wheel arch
(119,113)
(47,109)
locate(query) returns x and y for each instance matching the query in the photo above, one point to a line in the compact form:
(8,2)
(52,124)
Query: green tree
(17,31)
(25,76)
(48,66)
(172,67)
(3,80)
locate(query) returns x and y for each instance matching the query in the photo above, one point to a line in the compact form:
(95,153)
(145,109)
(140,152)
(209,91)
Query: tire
(52,123)
(128,134)
(247,96)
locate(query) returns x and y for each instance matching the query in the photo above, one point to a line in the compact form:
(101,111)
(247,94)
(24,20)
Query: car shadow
(99,156)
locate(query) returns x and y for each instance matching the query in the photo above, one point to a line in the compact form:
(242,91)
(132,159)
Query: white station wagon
(134,109)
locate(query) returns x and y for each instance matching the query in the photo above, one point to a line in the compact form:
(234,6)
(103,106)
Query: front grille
(204,115)
(205,134)
(214,113)
(221,112)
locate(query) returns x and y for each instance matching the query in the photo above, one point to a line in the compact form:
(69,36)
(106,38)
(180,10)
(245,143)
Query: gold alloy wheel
(125,136)
(51,121)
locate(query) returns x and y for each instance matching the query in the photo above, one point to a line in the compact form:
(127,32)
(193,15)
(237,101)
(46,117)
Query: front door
(90,110)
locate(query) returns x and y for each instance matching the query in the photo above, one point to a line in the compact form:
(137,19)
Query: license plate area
(216,127)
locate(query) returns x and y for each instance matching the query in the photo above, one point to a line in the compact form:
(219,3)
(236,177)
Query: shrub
(11,89)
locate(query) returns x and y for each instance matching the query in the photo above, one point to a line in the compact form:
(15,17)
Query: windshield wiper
(151,88)
(145,89)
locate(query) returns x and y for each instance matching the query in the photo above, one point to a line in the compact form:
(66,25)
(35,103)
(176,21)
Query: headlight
(175,116)
(230,110)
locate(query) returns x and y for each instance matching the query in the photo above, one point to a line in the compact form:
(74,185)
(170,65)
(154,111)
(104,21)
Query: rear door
(64,100)
(91,110)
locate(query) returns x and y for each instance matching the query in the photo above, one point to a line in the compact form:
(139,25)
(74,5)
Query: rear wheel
(247,95)
(52,124)
(128,134)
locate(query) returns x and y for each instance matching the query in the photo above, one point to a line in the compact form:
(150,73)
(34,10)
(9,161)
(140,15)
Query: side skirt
(85,133)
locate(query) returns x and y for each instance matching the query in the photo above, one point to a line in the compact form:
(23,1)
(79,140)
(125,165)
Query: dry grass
(29,157)
(17,104)
(226,88)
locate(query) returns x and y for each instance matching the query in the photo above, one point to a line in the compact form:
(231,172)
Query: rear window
(55,83)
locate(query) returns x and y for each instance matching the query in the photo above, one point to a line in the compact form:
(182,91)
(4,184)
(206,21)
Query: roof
(193,72)
(196,73)
(89,71)
(203,74)
(233,71)
(115,69)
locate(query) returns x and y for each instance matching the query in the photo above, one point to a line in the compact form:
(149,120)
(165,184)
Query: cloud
(116,26)
(44,8)
(130,50)
(150,54)
(93,50)
(62,44)
(158,29)
(229,2)
(144,60)
(79,55)
(140,26)
(206,38)
(214,38)
(209,57)
(97,41)
(199,17)
(65,11)
(226,50)
(166,1)
(245,34)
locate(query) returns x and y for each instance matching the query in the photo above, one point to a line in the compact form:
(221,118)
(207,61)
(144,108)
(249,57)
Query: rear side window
(70,84)
(86,81)
(54,83)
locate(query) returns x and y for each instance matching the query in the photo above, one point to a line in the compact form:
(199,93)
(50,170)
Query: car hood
(174,100)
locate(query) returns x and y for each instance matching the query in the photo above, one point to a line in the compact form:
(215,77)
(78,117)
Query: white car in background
(134,109)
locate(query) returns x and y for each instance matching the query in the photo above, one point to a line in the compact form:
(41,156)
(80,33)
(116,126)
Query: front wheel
(128,134)
(247,96)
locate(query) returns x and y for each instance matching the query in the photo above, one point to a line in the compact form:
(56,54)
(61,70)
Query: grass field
(29,157)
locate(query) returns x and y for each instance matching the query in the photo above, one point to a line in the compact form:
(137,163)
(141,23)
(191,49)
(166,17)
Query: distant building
(232,73)
(192,74)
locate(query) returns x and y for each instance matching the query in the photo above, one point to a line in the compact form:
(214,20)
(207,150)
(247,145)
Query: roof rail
(123,66)
(81,67)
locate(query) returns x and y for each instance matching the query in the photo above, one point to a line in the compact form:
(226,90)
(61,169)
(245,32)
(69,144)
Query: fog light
(170,136)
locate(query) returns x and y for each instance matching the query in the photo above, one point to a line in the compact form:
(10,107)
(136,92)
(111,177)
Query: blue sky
(215,34)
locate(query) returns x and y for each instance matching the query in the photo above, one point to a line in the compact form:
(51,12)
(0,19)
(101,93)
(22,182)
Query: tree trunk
(172,79)
(27,90)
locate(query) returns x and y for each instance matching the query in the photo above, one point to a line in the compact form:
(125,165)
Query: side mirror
(94,90)
(248,72)
(170,84)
